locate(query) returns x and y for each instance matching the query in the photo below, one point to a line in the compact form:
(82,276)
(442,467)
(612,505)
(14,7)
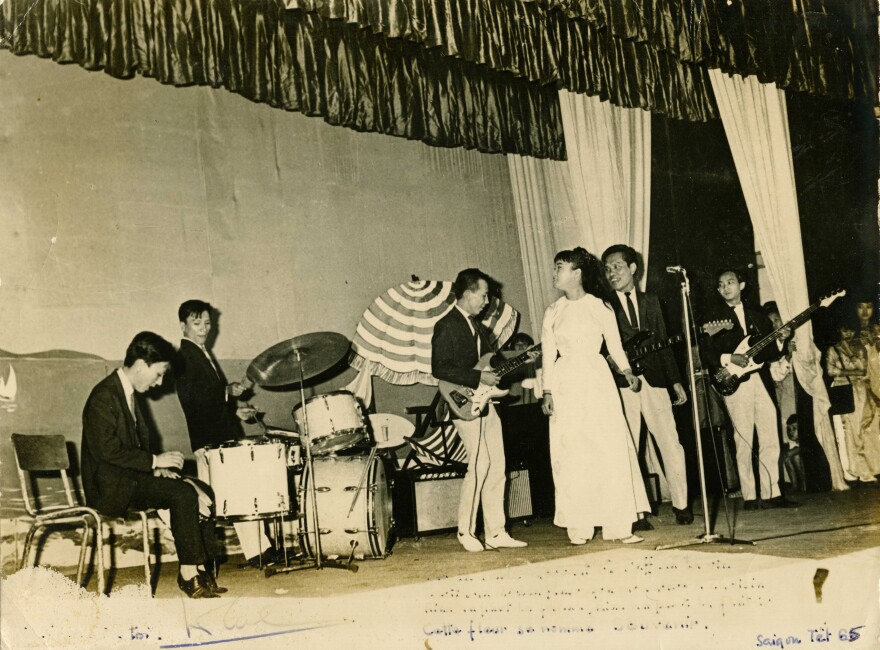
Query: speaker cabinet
(426,501)
(518,504)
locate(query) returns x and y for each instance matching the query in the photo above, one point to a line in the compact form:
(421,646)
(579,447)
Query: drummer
(212,415)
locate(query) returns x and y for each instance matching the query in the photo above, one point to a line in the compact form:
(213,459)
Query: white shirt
(621,296)
(467,317)
(128,389)
(740,312)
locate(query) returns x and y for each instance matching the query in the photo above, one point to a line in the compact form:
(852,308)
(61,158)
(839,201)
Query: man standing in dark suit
(211,416)
(637,311)
(456,345)
(119,472)
(751,406)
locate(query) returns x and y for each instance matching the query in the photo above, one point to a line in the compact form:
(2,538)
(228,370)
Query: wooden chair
(47,454)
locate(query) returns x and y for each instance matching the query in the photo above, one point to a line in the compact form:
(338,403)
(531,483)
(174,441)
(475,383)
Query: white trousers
(654,405)
(251,535)
(750,408)
(485,478)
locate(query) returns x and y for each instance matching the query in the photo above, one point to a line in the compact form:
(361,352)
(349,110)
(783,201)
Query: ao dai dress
(595,472)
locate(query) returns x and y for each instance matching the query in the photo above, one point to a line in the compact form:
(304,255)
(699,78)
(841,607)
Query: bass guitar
(468,403)
(728,378)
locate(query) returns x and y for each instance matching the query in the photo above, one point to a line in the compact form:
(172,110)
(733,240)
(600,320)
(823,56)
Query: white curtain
(541,199)
(609,164)
(756,123)
(600,196)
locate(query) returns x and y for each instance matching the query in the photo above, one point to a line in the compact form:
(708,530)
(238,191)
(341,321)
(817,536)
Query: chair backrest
(41,453)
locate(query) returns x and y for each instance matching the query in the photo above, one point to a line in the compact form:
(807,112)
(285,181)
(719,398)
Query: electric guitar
(468,403)
(636,351)
(728,378)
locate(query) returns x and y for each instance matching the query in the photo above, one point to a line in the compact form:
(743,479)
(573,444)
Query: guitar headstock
(713,327)
(831,297)
(532,353)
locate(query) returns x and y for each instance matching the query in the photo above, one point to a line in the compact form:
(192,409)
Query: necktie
(476,325)
(210,360)
(631,308)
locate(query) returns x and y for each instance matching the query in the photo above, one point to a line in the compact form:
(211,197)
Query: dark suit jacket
(115,451)
(726,341)
(660,369)
(202,394)
(454,350)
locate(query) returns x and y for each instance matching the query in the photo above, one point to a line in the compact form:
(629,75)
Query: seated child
(794,465)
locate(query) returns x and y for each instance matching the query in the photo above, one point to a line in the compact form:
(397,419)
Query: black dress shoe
(211,582)
(781,502)
(195,587)
(683,517)
(642,524)
(751,504)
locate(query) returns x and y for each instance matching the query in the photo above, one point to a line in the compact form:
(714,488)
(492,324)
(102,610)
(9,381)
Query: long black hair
(592,271)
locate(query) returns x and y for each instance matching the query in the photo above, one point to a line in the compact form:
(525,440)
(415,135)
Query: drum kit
(334,476)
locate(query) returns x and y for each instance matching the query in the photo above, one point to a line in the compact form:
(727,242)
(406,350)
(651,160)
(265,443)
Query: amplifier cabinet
(427,501)
(518,504)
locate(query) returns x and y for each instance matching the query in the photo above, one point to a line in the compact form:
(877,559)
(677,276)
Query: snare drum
(370,521)
(249,478)
(336,422)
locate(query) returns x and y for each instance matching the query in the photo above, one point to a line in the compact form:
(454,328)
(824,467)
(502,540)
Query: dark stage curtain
(820,47)
(529,41)
(297,61)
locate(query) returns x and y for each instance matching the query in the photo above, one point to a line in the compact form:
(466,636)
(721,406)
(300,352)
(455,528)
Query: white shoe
(632,539)
(577,541)
(470,543)
(503,540)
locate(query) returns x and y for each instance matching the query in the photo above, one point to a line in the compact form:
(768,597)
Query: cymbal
(280,364)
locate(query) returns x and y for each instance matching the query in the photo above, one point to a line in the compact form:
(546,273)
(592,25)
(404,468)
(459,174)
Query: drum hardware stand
(707,537)
(319,561)
(360,485)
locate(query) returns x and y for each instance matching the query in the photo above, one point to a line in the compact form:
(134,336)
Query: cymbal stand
(708,537)
(319,561)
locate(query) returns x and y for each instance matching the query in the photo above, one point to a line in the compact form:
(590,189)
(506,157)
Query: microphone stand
(318,562)
(708,537)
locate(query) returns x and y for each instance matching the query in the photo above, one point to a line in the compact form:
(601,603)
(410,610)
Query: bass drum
(249,478)
(370,522)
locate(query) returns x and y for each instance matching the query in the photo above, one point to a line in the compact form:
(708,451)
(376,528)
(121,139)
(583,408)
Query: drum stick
(258,419)
(360,485)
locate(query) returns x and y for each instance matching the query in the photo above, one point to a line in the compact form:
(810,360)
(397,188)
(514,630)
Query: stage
(430,593)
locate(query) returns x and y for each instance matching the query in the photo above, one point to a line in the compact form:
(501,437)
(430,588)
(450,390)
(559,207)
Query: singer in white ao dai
(596,478)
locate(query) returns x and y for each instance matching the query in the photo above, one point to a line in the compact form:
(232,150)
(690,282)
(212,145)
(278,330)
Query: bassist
(660,375)
(750,406)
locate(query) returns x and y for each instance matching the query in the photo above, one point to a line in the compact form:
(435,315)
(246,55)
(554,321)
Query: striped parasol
(393,338)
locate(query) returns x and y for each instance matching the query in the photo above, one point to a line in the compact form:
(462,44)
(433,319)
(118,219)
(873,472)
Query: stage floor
(603,594)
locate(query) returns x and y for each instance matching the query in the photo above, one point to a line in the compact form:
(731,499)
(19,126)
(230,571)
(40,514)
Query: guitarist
(751,406)
(456,345)
(637,311)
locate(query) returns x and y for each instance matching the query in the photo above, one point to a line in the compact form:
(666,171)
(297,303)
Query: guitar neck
(645,350)
(512,364)
(793,324)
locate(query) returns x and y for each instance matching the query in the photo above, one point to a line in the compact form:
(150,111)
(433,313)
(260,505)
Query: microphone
(674,269)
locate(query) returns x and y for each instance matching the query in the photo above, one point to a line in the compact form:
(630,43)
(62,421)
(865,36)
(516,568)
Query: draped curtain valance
(296,61)
(480,74)
(821,47)
(539,45)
